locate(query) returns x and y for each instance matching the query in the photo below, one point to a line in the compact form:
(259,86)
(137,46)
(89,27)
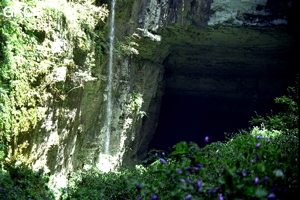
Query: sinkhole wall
(232,49)
(60,121)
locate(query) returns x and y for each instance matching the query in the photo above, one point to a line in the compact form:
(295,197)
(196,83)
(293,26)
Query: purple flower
(256,180)
(188,197)
(163,154)
(258,137)
(271,196)
(244,173)
(183,180)
(266,178)
(215,190)
(188,168)
(220,197)
(156,154)
(140,198)
(179,171)
(268,140)
(257,145)
(206,139)
(163,161)
(154,197)
(199,165)
(198,184)
(195,168)
(139,187)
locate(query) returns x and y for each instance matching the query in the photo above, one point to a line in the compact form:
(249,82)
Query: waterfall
(110,75)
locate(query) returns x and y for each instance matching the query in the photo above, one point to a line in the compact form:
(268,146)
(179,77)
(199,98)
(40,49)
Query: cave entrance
(191,118)
(216,78)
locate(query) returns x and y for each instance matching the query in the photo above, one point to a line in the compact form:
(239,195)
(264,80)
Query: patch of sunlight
(262,131)
(146,33)
(106,163)
(140,168)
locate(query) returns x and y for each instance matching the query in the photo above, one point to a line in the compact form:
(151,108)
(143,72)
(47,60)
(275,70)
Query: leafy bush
(93,184)
(286,121)
(20,182)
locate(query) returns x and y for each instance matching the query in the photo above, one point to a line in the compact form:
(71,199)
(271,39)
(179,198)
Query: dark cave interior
(215,85)
(191,118)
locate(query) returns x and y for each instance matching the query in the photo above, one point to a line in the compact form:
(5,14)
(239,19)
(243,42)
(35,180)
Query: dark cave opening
(215,86)
(191,118)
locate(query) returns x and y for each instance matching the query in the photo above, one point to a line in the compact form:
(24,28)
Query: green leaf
(278,173)
(261,192)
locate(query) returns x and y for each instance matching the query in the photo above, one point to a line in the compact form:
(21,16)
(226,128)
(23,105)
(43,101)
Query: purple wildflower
(258,137)
(195,168)
(188,197)
(257,145)
(163,161)
(266,178)
(268,140)
(163,154)
(198,184)
(199,165)
(154,197)
(220,197)
(271,196)
(188,168)
(156,154)
(183,180)
(256,180)
(206,139)
(215,190)
(139,187)
(179,171)
(140,198)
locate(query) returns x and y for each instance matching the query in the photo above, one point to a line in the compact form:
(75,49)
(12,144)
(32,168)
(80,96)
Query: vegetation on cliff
(37,38)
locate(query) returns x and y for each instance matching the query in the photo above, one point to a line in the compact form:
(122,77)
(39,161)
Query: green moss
(28,57)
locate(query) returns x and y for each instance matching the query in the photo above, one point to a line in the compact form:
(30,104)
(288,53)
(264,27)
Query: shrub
(20,182)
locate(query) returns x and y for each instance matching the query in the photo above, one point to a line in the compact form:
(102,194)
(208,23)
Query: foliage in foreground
(20,182)
(257,164)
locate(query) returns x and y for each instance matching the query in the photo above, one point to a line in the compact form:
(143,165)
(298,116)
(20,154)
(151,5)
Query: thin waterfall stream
(110,76)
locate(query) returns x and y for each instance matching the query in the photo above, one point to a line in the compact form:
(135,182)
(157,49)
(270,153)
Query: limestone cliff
(187,47)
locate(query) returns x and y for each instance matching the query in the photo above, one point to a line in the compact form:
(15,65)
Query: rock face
(242,52)
(234,49)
